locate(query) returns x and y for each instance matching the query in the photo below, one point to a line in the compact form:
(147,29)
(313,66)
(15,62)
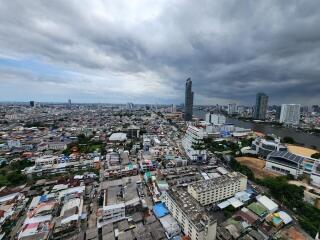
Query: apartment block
(192,217)
(216,189)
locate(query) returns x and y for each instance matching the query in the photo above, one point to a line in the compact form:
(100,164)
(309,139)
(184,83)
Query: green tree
(288,140)
(236,166)
(16,178)
(316,155)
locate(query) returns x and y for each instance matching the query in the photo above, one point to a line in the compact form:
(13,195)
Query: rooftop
(118,137)
(214,183)
(190,207)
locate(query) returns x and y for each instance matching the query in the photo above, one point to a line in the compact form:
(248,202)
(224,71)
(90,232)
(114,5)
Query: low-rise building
(288,163)
(120,199)
(118,137)
(58,164)
(147,165)
(57,146)
(39,224)
(263,147)
(68,222)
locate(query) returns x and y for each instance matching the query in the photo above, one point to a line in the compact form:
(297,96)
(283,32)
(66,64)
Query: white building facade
(216,119)
(290,114)
(192,218)
(284,162)
(232,108)
(216,189)
(194,136)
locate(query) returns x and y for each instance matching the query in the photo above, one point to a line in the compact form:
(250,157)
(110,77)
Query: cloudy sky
(142,51)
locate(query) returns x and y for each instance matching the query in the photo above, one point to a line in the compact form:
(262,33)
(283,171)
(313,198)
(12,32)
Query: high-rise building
(290,114)
(216,119)
(241,109)
(278,112)
(188,105)
(193,144)
(261,106)
(232,108)
(31,103)
(130,106)
(315,108)
(69,104)
(304,109)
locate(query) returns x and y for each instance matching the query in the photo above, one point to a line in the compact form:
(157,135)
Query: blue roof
(160,210)
(250,190)
(43,198)
(176,238)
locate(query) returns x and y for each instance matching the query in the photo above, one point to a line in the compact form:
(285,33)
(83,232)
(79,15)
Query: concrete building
(216,119)
(133,132)
(263,147)
(69,220)
(38,223)
(261,106)
(194,136)
(288,163)
(57,145)
(118,137)
(69,104)
(14,143)
(120,200)
(277,112)
(214,190)
(130,106)
(48,164)
(290,114)
(113,205)
(188,105)
(232,108)
(241,109)
(193,219)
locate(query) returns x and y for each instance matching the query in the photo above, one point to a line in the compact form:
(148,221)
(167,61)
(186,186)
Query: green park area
(223,146)
(86,145)
(10,174)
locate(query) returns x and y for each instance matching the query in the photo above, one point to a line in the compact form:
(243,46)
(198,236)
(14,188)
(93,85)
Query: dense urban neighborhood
(129,172)
(159,120)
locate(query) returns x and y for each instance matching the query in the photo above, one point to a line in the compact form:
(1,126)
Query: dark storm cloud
(144,50)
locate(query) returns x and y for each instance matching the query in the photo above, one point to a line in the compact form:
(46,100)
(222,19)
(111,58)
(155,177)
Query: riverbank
(302,138)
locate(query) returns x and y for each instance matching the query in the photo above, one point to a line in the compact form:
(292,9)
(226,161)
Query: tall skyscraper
(315,108)
(290,114)
(260,110)
(31,103)
(188,105)
(69,104)
(129,106)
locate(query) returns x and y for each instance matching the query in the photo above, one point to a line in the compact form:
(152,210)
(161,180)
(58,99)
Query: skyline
(142,52)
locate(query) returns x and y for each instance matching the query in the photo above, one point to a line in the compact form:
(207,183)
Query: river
(299,136)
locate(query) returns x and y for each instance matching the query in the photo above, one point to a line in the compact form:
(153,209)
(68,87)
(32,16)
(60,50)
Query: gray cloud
(142,51)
